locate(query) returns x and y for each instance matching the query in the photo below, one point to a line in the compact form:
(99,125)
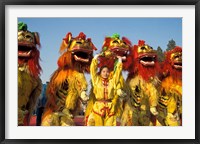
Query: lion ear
(37,38)
(127,41)
(90,41)
(82,36)
(63,46)
(65,42)
(141,42)
(106,42)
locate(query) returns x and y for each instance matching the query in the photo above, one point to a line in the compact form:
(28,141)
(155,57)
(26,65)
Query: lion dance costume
(170,100)
(104,104)
(29,83)
(142,80)
(67,86)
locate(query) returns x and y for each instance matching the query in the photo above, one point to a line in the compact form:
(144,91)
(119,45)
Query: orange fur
(68,67)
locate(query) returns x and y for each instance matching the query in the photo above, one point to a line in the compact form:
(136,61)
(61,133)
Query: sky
(154,31)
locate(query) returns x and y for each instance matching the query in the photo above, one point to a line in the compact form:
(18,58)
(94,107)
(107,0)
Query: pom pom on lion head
(28,49)
(173,63)
(144,61)
(114,46)
(76,52)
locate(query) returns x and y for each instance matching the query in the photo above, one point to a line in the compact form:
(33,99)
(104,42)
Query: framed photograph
(158,23)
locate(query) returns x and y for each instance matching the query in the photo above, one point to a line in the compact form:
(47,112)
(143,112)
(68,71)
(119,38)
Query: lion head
(144,60)
(28,49)
(76,52)
(173,63)
(114,46)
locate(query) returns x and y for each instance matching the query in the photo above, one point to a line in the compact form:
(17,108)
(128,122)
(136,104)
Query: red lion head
(144,61)
(112,47)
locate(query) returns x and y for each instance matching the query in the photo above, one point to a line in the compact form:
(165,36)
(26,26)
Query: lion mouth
(24,51)
(123,52)
(147,60)
(81,56)
(178,65)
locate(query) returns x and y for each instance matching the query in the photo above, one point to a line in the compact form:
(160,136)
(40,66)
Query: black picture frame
(4,3)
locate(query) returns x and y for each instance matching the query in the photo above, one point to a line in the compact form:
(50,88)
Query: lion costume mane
(170,100)
(142,80)
(29,83)
(68,81)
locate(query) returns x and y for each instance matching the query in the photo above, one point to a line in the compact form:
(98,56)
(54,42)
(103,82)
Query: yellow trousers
(102,115)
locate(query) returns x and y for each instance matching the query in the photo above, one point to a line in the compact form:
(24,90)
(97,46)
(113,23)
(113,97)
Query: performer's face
(105,73)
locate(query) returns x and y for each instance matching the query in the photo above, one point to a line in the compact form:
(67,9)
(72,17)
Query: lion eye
(177,56)
(115,41)
(28,36)
(137,89)
(78,42)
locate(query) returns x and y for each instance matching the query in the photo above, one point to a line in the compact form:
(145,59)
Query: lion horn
(37,38)
(65,42)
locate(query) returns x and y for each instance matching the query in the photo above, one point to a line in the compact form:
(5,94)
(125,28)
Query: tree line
(161,56)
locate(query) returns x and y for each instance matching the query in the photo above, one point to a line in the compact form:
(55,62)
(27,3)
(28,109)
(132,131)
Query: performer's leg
(135,116)
(144,118)
(91,120)
(110,121)
(51,119)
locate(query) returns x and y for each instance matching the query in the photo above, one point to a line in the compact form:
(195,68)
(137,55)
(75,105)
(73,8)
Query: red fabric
(26,123)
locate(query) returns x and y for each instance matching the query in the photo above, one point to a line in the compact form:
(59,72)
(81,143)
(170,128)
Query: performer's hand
(172,117)
(176,115)
(121,58)
(153,110)
(121,93)
(84,96)
(96,56)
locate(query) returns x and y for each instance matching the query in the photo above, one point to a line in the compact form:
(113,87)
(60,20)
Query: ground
(79,120)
